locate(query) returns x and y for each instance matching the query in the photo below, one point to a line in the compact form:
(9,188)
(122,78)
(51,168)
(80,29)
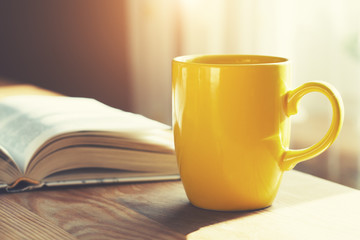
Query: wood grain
(86,213)
(306,208)
(16,222)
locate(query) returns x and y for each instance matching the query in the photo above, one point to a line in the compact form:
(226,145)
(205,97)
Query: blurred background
(120,51)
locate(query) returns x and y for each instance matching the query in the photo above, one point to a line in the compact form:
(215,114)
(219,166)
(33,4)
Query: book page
(8,169)
(26,122)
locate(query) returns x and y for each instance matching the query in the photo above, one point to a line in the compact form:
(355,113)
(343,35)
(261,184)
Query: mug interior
(230,59)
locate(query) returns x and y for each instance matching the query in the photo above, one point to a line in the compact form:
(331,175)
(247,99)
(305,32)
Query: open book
(56,140)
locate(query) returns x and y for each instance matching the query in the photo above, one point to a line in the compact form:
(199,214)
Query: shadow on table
(171,208)
(167,203)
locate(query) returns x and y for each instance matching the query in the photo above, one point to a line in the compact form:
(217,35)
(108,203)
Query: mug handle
(292,157)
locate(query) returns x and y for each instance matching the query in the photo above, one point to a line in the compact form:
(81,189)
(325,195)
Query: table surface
(306,207)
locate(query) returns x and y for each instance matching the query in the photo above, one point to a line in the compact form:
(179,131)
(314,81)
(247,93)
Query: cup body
(230,128)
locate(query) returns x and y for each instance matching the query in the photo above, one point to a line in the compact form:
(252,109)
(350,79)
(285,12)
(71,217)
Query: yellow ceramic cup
(232,128)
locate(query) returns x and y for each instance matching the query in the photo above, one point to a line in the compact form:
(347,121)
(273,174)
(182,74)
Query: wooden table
(306,207)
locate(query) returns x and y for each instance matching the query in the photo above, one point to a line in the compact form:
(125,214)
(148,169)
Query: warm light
(191,4)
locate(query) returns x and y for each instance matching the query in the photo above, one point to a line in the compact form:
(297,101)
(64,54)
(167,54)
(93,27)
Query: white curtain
(322,38)
(153,43)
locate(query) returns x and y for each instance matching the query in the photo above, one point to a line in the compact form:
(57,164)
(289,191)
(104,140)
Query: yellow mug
(232,128)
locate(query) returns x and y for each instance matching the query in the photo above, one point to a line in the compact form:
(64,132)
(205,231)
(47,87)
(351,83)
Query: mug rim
(242,59)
